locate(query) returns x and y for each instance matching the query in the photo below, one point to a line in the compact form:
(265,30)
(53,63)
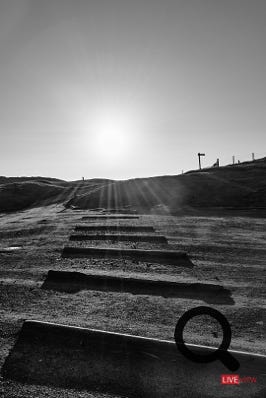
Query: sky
(122,89)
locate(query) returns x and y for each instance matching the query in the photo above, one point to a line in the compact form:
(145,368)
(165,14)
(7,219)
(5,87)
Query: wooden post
(199,155)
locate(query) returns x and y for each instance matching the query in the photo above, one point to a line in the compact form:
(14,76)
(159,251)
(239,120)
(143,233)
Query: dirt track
(228,251)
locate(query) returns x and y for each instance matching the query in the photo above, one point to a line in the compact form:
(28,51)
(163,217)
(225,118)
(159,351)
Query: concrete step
(121,238)
(170,257)
(72,282)
(109,217)
(115,228)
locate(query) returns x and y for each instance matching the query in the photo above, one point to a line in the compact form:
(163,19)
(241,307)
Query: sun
(111,132)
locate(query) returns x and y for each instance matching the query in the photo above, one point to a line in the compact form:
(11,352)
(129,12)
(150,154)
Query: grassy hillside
(240,186)
(16,196)
(17,193)
(48,180)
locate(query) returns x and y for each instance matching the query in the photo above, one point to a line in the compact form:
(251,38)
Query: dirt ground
(227,251)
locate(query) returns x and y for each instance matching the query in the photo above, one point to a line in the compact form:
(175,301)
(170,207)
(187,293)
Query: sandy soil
(229,251)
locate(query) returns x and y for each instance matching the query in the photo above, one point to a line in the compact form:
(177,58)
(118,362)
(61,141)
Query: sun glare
(111,132)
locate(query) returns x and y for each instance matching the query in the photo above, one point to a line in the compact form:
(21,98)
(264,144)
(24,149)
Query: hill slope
(17,193)
(239,186)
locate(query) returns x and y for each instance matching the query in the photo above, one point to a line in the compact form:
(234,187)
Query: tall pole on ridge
(199,155)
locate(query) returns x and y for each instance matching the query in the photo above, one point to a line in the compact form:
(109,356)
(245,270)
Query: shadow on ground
(73,282)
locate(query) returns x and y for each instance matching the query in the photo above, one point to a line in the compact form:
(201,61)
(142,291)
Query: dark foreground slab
(72,282)
(153,256)
(108,217)
(95,360)
(114,228)
(121,238)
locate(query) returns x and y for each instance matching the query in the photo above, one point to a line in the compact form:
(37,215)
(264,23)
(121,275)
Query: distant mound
(19,195)
(47,180)
(237,186)
(240,186)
